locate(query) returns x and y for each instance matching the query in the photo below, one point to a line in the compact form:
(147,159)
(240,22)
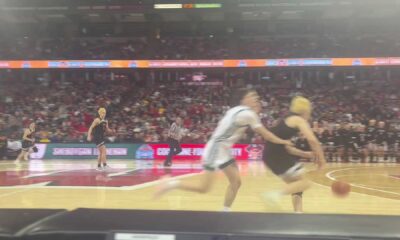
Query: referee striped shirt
(175,132)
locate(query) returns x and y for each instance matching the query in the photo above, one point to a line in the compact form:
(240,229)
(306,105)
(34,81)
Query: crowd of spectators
(211,47)
(140,112)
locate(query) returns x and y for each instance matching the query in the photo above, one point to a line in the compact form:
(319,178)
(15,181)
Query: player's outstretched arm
(269,136)
(299,152)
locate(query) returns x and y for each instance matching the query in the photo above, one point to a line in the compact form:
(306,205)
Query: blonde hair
(300,105)
(102,110)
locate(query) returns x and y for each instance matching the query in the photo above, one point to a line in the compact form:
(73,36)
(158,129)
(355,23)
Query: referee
(175,135)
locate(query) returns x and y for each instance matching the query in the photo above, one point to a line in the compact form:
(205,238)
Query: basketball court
(131,184)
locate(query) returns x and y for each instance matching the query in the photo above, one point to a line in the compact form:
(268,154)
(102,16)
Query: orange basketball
(340,189)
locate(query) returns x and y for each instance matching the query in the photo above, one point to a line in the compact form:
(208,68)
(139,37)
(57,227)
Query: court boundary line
(36,185)
(329,175)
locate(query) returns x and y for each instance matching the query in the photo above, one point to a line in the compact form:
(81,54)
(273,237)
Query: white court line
(361,174)
(364,194)
(26,188)
(378,186)
(124,172)
(46,173)
(397,178)
(14,192)
(124,188)
(153,183)
(329,175)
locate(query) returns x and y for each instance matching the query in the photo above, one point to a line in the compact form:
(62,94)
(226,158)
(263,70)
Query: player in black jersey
(342,142)
(339,135)
(328,141)
(371,135)
(350,144)
(381,141)
(284,161)
(397,146)
(28,142)
(96,133)
(317,129)
(391,143)
(362,142)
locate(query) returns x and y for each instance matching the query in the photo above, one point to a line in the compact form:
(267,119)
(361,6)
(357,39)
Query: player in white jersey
(217,154)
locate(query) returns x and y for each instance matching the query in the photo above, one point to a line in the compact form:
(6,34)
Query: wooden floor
(130,185)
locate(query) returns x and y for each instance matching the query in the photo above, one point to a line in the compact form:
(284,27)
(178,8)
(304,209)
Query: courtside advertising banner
(148,151)
(195,151)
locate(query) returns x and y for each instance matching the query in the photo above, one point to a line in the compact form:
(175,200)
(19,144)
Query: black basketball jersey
(397,137)
(328,137)
(339,137)
(275,156)
(26,143)
(100,129)
(391,137)
(352,136)
(362,138)
(30,135)
(283,131)
(380,136)
(371,131)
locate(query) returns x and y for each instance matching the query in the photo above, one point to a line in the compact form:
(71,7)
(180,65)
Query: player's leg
(26,154)
(386,153)
(178,148)
(392,152)
(330,151)
(341,153)
(204,186)
(379,152)
(335,151)
(366,153)
(171,144)
(296,184)
(231,171)
(99,157)
(211,154)
(20,156)
(372,152)
(346,152)
(103,150)
(355,153)
(297,202)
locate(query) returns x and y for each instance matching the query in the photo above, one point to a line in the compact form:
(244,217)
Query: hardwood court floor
(130,185)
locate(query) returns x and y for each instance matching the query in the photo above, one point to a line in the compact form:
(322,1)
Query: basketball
(340,189)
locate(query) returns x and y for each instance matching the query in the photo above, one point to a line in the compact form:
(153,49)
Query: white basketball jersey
(233,125)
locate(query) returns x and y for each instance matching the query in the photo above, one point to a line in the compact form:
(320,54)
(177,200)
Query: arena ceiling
(136,11)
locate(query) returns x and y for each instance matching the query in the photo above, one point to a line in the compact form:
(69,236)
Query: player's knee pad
(300,194)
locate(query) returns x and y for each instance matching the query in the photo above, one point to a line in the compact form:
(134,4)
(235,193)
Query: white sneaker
(226,209)
(100,169)
(106,167)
